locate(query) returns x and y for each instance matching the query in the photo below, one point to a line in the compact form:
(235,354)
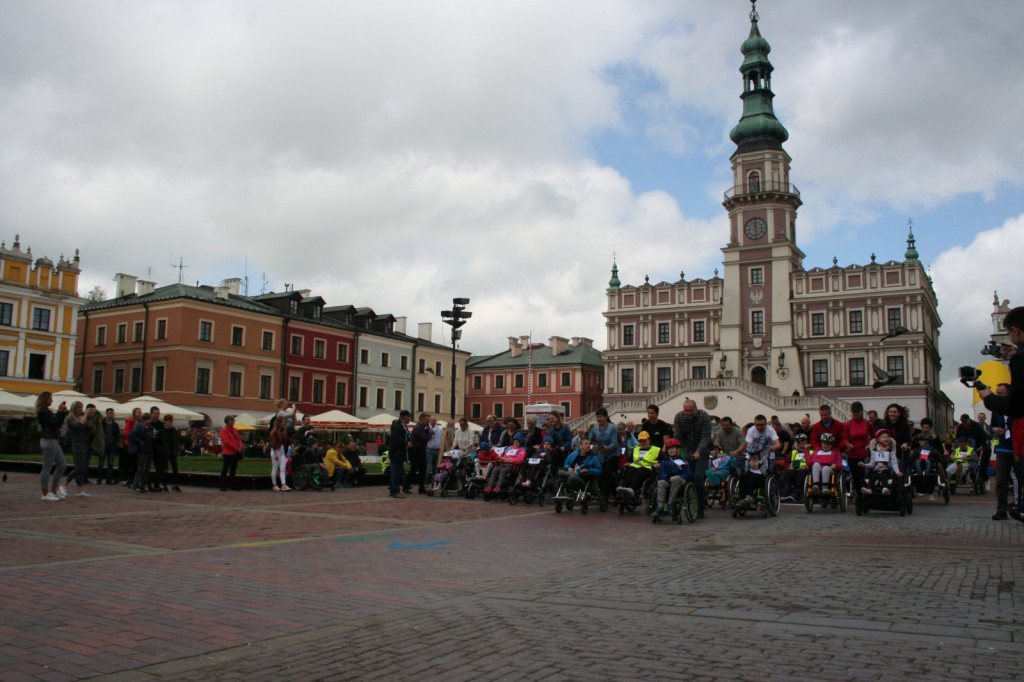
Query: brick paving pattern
(349,584)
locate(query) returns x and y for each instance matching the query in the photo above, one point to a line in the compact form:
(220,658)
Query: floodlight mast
(455,318)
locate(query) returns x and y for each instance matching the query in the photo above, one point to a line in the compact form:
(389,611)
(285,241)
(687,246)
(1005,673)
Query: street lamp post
(455,318)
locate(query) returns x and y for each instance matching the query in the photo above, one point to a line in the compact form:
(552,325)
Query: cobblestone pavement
(350,584)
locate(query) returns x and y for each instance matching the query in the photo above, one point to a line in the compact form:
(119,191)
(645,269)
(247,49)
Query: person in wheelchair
(752,480)
(927,459)
(581,467)
(824,462)
(719,469)
(338,467)
(963,460)
(882,466)
(535,474)
(640,468)
(673,473)
(793,477)
(445,470)
(506,463)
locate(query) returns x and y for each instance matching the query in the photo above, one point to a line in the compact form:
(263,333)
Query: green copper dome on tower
(614,282)
(758,124)
(911,253)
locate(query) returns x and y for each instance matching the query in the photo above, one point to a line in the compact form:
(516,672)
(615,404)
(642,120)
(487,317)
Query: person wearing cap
(794,476)
(398,446)
(673,473)
(881,465)
(642,461)
(854,442)
(824,461)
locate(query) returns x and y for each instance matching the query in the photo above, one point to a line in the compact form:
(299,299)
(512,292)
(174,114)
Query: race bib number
(533,460)
(679,462)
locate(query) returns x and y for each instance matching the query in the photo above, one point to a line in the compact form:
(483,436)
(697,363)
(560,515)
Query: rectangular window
(700,372)
(119,380)
(404,362)
(895,317)
(517,410)
(364,396)
(318,391)
(663,332)
(319,349)
(159,373)
(757,322)
(97,374)
(439,368)
(36,366)
(627,381)
(542,380)
(499,410)
(101,336)
(819,372)
(664,378)
(858,372)
(380,398)
(517,381)
(856,321)
(202,380)
(235,384)
(41,319)
(385,359)
(161,329)
(566,379)
(478,382)
(421,401)
(757,275)
(894,365)
(294,384)
(342,352)
(422,366)
(236,335)
(268,340)
(474,411)
(7,314)
(698,332)
(627,335)
(296,343)
(565,410)
(398,400)
(136,380)
(437,404)
(364,356)
(499,381)
(122,333)
(266,386)
(340,393)
(206,331)
(817,324)
(137,335)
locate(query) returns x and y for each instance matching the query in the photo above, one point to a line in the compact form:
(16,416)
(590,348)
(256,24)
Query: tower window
(754,182)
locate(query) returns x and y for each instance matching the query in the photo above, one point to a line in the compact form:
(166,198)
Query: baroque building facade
(770,334)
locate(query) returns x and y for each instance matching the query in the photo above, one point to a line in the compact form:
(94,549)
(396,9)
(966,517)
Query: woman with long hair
(49,442)
(279,442)
(897,423)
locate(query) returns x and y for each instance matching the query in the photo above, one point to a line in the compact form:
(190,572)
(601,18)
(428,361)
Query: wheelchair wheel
(689,502)
(712,497)
(558,506)
(513,497)
(316,478)
(808,501)
(979,485)
(568,505)
(773,498)
(300,478)
(910,503)
(732,489)
(529,496)
(945,495)
(584,507)
(841,488)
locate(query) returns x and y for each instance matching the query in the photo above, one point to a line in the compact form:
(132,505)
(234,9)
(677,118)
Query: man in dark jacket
(398,445)
(1011,405)
(418,441)
(112,438)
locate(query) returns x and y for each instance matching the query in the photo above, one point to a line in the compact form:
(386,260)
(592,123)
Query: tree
(96,295)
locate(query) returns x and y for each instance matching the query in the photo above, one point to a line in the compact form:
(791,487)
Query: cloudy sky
(397,153)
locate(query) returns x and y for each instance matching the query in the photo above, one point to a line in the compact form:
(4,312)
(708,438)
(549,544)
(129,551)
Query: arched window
(759,375)
(754,182)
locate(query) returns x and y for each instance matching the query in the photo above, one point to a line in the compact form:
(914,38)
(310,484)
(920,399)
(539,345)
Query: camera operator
(1010,405)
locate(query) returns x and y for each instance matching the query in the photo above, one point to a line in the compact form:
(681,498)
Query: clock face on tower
(755,228)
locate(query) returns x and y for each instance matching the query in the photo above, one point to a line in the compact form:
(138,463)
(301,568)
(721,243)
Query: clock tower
(757,324)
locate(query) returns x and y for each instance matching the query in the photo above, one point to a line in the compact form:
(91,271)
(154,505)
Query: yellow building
(38,315)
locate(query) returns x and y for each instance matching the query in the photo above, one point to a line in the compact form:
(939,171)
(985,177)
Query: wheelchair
(566,499)
(535,493)
(833,495)
(722,493)
(934,481)
(970,477)
(307,472)
(647,496)
(900,497)
(686,504)
(767,500)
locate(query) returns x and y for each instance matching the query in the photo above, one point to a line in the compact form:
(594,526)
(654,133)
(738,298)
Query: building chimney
(233,285)
(559,344)
(425,331)
(400,324)
(514,349)
(575,341)
(584,341)
(222,291)
(146,287)
(125,284)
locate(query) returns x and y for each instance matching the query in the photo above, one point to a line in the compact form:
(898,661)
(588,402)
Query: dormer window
(391,328)
(318,312)
(293,307)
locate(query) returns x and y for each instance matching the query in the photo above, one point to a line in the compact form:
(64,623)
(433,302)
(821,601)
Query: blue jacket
(142,437)
(667,468)
(605,441)
(562,437)
(591,462)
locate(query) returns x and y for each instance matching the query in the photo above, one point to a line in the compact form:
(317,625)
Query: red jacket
(835,428)
(230,441)
(857,433)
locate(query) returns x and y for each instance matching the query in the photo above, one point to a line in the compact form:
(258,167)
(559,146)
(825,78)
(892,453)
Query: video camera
(969,377)
(993,348)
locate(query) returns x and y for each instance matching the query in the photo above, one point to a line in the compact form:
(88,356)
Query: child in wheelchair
(507,462)
(640,469)
(824,463)
(964,461)
(673,473)
(581,468)
(752,480)
(883,467)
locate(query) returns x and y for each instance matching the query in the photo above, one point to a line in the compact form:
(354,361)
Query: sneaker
(50,497)
(866,491)
(1000,516)
(276,489)
(885,491)
(83,494)
(526,484)
(399,496)
(657,512)
(62,492)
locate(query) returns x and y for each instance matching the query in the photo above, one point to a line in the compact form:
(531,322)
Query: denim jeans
(397,476)
(106,470)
